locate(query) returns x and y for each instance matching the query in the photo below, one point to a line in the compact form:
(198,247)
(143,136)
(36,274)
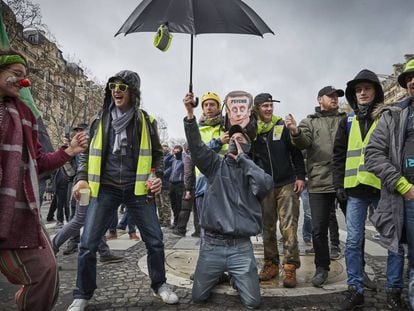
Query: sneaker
(111,258)
(134,236)
(59,225)
(335,253)
(320,277)
(178,232)
(78,305)
(368,283)
(289,281)
(310,251)
(353,299)
(394,301)
(269,271)
(70,248)
(111,236)
(166,294)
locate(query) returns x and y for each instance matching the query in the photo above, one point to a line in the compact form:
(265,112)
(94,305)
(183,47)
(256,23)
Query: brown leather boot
(269,271)
(290,276)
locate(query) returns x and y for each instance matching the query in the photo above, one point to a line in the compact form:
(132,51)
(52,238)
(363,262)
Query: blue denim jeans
(238,260)
(356,214)
(100,214)
(126,220)
(409,227)
(307,216)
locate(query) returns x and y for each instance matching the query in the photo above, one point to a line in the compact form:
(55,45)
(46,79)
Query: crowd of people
(240,174)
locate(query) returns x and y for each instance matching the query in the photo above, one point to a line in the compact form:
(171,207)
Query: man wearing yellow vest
(361,188)
(124,146)
(389,155)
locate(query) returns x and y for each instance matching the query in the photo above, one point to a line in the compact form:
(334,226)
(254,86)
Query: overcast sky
(316,43)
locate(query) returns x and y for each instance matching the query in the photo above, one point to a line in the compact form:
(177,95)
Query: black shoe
(368,283)
(320,277)
(111,258)
(70,248)
(195,234)
(335,253)
(178,232)
(394,301)
(353,299)
(192,276)
(224,278)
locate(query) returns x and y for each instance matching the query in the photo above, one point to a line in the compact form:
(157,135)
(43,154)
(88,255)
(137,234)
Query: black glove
(341,195)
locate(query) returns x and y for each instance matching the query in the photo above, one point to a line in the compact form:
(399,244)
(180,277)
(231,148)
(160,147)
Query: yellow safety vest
(207,133)
(355,170)
(143,166)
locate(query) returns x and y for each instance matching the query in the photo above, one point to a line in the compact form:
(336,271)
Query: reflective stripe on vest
(143,166)
(355,170)
(207,133)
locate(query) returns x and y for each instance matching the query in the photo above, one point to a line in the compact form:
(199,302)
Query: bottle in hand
(151,177)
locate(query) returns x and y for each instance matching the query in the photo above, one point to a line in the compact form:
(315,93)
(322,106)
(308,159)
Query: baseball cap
(263,98)
(328,90)
(238,129)
(80,126)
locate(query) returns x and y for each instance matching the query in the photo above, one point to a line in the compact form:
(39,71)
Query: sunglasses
(118,86)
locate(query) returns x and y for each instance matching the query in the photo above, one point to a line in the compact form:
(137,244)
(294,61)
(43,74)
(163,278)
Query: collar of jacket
(264,127)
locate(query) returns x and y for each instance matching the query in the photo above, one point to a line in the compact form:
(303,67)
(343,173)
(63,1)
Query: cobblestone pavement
(123,286)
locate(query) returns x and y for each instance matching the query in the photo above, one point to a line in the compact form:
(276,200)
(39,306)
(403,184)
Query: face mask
(178,155)
(233,147)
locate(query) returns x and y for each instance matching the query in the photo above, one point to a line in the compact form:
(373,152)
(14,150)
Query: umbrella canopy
(195,17)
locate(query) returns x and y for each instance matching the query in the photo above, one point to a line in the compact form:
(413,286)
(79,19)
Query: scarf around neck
(204,121)
(264,127)
(120,121)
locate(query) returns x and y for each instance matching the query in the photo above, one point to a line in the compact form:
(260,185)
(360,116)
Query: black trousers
(176,197)
(321,205)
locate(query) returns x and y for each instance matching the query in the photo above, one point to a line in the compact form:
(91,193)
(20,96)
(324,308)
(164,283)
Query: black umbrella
(195,17)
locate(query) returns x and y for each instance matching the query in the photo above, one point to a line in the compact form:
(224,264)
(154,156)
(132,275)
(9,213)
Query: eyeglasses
(118,86)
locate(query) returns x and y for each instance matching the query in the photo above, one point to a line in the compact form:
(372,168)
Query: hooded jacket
(365,120)
(317,135)
(383,157)
(133,130)
(231,206)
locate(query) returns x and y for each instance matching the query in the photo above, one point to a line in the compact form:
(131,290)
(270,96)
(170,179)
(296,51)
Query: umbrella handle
(190,90)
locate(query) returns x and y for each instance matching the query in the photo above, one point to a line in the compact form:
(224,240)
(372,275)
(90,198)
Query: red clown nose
(25,83)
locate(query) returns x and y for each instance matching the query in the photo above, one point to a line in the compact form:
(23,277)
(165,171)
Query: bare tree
(162,128)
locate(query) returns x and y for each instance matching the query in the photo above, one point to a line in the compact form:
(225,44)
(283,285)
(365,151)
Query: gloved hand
(341,195)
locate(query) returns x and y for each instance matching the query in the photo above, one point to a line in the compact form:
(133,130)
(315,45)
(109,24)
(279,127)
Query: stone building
(61,90)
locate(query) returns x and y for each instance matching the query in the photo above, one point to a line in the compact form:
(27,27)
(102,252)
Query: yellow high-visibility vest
(207,133)
(355,170)
(143,166)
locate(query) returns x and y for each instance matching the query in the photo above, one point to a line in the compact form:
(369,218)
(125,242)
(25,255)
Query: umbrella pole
(190,89)
(191,64)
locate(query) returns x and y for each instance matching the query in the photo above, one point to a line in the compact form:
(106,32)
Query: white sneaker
(78,305)
(166,294)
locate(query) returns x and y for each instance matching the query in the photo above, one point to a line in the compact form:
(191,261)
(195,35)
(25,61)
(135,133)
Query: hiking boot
(368,283)
(134,236)
(320,277)
(78,305)
(335,253)
(166,294)
(353,299)
(111,258)
(111,236)
(289,280)
(269,271)
(70,248)
(394,301)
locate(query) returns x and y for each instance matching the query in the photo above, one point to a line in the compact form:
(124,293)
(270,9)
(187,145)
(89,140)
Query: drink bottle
(151,177)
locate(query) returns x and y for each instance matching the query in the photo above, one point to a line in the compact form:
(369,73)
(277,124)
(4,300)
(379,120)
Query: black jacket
(231,205)
(342,135)
(279,158)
